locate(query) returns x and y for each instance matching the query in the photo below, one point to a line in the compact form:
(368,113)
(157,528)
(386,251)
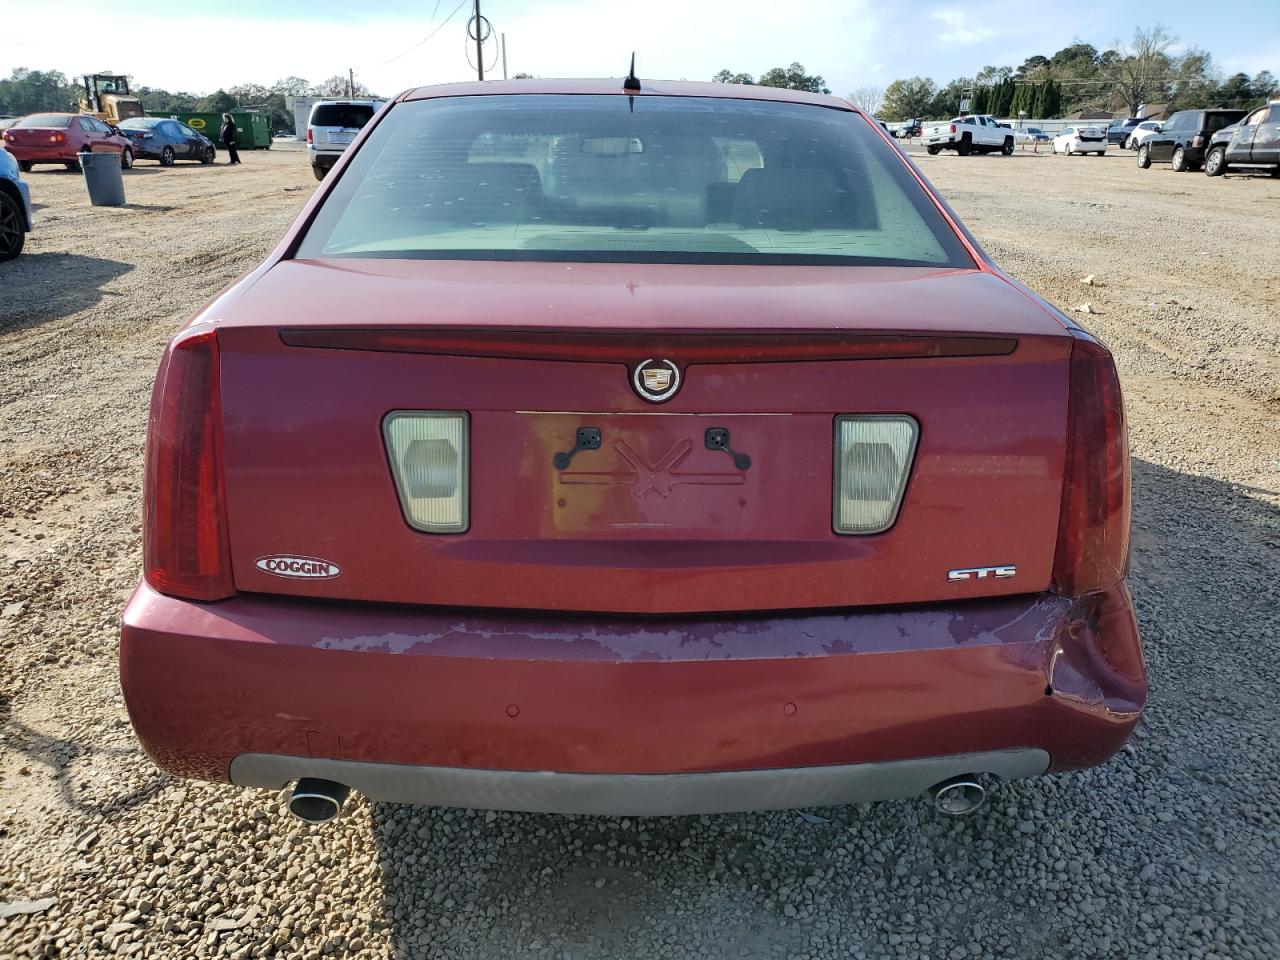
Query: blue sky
(854,43)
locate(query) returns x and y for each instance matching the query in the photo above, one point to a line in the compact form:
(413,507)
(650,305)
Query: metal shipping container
(254,127)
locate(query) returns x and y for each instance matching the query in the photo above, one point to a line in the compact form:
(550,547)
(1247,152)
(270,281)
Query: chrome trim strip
(620,794)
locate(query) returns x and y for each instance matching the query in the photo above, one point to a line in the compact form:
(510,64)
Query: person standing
(228,135)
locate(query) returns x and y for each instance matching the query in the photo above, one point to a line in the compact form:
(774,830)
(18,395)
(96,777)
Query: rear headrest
(792,198)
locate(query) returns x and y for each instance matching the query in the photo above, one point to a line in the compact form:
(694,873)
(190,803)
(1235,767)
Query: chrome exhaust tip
(318,801)
(958,796)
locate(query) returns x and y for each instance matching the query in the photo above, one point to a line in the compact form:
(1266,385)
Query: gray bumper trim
(620,794)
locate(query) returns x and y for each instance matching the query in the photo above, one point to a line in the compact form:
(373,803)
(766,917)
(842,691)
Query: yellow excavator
(106,96)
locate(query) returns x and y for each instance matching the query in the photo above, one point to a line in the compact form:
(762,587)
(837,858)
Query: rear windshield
(1216,120)
(341,115)
(142,123)
(601,178)
(44,121)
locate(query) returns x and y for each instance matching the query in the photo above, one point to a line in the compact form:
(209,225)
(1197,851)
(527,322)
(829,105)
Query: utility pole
(351,81)
(479,43)
(504,56)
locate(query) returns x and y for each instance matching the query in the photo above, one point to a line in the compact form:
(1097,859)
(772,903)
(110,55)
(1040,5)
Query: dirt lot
(1170,851)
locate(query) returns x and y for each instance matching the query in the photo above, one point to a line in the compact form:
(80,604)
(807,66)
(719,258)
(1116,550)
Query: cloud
(958,27)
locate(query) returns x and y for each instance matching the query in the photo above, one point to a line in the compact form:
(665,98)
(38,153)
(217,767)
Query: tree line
(791,78)
(39,91)
(1119,80)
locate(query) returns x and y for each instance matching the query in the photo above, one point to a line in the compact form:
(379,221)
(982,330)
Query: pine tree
(1019,102)
(980,97)
(1037,104)
(1004,100)
(1052,106)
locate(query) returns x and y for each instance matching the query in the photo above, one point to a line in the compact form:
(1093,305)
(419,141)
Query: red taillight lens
(310,136)
(57,138)
(1093,528)
(953,128)
(185,548)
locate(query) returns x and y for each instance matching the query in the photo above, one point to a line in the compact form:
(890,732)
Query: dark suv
(1184,138)
(1118,130)
(1253,142)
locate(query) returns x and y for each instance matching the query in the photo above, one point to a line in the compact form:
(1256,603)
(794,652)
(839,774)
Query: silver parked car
(331,128)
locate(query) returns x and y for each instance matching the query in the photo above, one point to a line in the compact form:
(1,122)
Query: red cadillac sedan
(645,451)
(60,138)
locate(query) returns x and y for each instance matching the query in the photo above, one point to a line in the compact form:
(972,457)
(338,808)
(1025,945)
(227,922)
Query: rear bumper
(35,154)
(24,194)
(637,715)
(146,151)
(323,158)
(643,795)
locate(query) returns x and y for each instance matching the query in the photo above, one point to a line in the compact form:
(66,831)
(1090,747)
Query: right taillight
(1093,527)
(953,128)
(186,552)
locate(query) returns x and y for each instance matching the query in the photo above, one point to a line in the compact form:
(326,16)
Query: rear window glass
(45,120)
(599,178)
(141,123)
(1216,121)
(341,115)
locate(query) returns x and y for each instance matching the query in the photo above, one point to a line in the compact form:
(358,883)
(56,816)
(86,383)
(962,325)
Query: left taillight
(186,550)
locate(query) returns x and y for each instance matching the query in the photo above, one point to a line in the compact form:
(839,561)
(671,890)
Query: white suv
(332,126)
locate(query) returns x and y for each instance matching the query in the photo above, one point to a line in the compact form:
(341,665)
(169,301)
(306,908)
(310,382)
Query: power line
(466,49)
(440,27)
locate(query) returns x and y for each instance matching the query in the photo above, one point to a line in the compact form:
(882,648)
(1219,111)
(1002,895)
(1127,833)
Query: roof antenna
(632,82)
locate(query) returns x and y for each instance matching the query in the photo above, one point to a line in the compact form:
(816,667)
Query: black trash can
(103,178)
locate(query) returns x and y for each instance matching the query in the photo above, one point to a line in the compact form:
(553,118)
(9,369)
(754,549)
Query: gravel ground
(1169,851)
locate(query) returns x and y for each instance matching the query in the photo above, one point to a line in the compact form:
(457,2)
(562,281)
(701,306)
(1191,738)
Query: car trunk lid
(718,499)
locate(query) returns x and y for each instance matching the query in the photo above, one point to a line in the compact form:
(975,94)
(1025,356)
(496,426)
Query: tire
(73,166)
(1007,149)
(319,171)
(1179,161)
(965,146)
(1144,157)
(167,157)
(1215,162)
(13,233)
(126,159)
(25,166)
(209,155)
(933,150)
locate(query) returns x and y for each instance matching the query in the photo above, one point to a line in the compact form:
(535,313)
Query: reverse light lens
(873,456)
(429,459)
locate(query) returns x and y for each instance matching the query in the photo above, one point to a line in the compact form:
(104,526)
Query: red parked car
(655,451)
(61,137)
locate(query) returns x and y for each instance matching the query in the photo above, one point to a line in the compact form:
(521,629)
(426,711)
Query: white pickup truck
(965,135)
